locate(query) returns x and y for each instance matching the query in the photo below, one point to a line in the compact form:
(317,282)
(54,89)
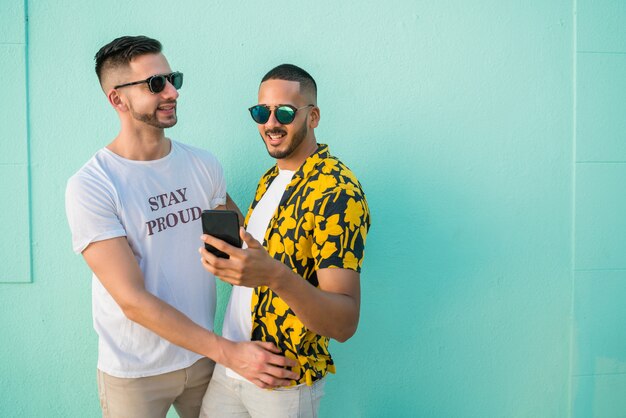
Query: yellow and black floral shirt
(321,222)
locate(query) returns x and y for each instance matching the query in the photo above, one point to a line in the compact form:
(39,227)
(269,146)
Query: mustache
(275,131)
(171,102)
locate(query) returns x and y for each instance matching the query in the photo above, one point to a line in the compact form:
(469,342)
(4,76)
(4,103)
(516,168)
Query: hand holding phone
(222,224)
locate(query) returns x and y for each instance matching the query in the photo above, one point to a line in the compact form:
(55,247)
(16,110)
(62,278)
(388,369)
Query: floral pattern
(321,222)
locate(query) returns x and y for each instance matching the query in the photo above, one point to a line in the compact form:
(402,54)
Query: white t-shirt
(157,206)
(238,318)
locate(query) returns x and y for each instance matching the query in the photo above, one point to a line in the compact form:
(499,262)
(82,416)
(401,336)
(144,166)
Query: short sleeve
(216,175)
(91,212)
(341,225)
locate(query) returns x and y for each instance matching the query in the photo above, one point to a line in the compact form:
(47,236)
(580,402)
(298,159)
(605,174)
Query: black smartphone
(222,224)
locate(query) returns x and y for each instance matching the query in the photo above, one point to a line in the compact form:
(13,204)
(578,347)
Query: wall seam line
(602,52)
(572,351)
(600,162)
(600,374)
(28,145)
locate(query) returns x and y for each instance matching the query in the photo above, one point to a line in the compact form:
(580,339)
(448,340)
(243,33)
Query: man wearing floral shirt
(305,236)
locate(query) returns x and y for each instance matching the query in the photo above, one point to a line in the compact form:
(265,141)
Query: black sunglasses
(285,114)
(157,82)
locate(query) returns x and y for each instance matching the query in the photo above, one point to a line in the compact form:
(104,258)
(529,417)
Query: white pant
(230,397)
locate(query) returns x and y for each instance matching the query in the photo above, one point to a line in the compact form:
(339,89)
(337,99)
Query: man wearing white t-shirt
(297,280)
(134,211)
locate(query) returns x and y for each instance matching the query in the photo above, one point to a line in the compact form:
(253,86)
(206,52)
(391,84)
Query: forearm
(334,315)
(231,205)
(172,325)
(260,363)
(123,279)
(331,309)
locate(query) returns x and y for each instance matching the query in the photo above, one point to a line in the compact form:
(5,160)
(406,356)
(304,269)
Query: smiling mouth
(167,107)
(275,135)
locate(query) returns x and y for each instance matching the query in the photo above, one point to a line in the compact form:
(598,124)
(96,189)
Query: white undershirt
(238,319)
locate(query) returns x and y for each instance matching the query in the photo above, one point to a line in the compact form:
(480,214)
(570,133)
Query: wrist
(219,349)
(280,275)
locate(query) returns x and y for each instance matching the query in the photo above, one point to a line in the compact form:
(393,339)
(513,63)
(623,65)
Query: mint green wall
(14,146)
(598,339)
(482,176)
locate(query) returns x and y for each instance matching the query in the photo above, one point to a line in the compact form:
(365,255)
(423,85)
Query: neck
(298,157)
(146,144)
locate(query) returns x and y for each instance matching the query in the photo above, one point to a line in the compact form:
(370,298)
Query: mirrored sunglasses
(285,114)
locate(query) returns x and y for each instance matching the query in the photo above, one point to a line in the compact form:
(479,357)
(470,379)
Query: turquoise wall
(489,138)
(598,337)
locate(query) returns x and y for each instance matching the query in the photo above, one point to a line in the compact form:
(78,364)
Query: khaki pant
(152,396)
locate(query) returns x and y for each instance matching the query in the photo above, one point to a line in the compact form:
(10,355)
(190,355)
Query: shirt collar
(309,164)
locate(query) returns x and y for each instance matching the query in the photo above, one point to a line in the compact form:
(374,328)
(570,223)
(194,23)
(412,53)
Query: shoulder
(94,173)
(195,153)
(187,149)
(342,193)
(337,178)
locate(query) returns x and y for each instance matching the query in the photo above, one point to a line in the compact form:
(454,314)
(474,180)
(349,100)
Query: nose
(169,92)
(272,121)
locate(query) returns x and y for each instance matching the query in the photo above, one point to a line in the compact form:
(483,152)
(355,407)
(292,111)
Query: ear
(314,118)
(116,101)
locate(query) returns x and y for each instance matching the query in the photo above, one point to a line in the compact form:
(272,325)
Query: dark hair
(123,50)
(292,72)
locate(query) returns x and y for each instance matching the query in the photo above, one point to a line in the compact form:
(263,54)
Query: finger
(269,346)
(280,360)
(260,383)
(219,244)
(210,257)
(282,369)
(280,373)
(274,378)
(249,239)
(270,382)
(211,261)
(218,262)
(217,266)
(226,275)
(277,359)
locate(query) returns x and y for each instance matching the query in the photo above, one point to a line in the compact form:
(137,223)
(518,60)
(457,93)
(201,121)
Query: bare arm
(231,205)
(331,310)
(114,264)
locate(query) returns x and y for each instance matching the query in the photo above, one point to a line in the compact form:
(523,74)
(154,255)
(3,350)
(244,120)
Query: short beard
(152,120)
(298,138)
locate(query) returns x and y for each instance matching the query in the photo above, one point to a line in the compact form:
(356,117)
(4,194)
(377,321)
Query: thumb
(249,239)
